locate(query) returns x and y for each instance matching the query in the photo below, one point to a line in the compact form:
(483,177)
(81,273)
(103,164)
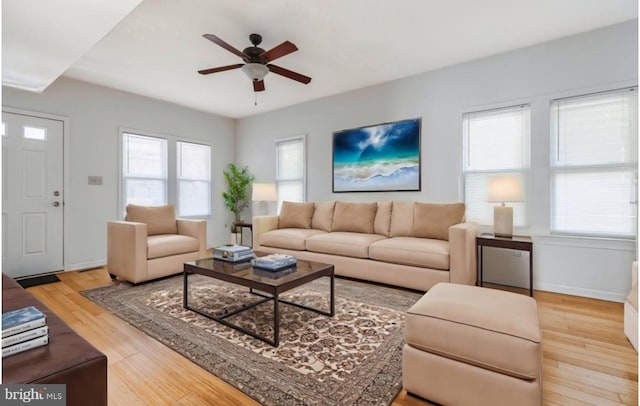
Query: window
(495,142)
(144,169)
(194,179)
(290,170)
(594,164)
(158,170)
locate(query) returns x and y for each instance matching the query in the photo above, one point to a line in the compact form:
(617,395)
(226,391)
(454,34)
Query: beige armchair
(152,243)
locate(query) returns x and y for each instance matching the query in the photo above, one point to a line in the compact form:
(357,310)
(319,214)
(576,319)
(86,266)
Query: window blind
(495,142)
(194,179)
(144,161)
(594,164)
(290,170)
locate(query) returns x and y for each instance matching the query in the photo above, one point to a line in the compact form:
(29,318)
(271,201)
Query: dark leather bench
(67,359)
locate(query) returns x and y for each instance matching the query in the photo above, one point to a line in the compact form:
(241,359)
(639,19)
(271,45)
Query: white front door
(32,195)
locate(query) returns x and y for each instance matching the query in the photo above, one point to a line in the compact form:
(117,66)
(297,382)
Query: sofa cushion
(343,243)
(382,222)
(159,219)
(289,238)
(295,215)
(165,245)
(323,216)
(492,329)
(354,217)
(401,219)
(433,220)
(422,252)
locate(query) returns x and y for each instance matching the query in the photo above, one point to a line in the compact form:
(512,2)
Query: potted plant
(236,198)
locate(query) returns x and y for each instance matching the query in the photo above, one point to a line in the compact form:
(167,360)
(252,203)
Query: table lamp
(263,193)
(504,189)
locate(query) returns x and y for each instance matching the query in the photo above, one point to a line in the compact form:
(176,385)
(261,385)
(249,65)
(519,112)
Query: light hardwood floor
(587,359)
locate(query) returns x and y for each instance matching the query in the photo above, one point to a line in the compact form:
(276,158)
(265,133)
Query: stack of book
(22,330)
(275,262)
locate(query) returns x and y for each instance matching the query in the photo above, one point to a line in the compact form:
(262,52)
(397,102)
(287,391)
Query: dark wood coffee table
(260,283)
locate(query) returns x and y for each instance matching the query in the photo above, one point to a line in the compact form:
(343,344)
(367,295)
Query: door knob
(56,204)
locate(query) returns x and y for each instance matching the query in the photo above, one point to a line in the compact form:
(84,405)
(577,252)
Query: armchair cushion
(165,245)
(159,219)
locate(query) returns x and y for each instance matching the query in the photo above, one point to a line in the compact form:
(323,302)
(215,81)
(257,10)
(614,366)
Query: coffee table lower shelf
(271,294)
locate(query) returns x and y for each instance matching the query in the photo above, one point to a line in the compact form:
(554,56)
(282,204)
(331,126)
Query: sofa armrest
(196,229)
(127,250)
(462,253)
(262,224)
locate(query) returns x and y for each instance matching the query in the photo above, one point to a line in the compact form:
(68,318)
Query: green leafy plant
(236,198)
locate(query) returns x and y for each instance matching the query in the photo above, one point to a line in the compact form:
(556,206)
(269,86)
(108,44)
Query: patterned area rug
(353,358)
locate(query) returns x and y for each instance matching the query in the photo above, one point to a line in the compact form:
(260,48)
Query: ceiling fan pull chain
(255,103)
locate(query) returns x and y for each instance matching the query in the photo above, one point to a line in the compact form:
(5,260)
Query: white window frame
(303,139)
(171,159)
(484,210)
(557,167)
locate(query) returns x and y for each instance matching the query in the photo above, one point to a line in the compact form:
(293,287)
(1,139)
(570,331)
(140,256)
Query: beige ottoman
(467,345)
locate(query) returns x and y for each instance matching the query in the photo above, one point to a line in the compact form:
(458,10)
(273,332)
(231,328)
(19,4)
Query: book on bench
(23,329)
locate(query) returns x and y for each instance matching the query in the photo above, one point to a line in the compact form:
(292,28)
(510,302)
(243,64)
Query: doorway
(32,194)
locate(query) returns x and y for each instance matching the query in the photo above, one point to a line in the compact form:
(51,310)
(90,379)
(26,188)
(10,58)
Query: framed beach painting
(377,158)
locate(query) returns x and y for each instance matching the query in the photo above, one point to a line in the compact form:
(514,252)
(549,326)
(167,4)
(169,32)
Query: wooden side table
(243,225)
(517,242)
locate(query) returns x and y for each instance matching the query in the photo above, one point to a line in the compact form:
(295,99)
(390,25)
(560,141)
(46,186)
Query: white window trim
(172,179)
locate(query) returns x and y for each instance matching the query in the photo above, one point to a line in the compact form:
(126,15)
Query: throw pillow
(323,216)
(401,219)
(354,217)
(159,219)
(433,220)
(382,222)
(295,215)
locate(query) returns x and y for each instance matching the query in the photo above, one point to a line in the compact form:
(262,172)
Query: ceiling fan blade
(279,51)
(220,69)
(224,45)
(258,85)
(289,74)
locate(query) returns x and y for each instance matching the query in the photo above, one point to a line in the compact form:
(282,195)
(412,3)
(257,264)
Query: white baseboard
(86,265)
(570,290)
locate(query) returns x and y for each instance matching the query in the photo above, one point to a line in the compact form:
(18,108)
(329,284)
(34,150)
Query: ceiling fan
(257,61)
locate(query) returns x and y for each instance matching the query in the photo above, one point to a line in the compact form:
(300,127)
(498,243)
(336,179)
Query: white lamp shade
(264,192)
(504,189)
(255,71)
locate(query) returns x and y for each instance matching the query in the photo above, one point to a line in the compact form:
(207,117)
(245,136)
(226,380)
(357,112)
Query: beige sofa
(409,244)
(152,243)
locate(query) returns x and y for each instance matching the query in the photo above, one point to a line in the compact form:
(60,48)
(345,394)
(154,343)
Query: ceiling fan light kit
(257,62)
(255,71)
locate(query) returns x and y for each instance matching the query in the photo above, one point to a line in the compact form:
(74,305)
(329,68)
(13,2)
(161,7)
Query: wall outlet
(95,180)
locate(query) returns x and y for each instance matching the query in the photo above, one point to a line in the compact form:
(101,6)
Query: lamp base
(503,221)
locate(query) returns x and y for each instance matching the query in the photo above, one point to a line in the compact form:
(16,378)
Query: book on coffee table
(274,262)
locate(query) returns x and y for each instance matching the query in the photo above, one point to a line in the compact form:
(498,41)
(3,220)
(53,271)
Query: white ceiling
(157,48)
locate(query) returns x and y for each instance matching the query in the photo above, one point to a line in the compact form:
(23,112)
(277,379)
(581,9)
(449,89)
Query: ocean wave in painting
(377,158)
(377,175)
